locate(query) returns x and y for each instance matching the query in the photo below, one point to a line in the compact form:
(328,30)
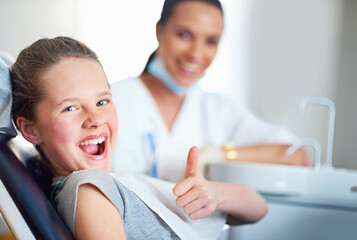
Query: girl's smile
(94,147)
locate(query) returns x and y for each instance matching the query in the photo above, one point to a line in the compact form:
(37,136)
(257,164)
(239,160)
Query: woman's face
(188,41)
(76,121)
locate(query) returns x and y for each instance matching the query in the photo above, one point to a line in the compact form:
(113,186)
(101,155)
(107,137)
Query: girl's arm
(243,204)
(200,198)
(96,217)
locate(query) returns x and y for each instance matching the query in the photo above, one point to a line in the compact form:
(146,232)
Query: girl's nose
(94,120)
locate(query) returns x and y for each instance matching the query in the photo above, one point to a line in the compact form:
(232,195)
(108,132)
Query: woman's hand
(196,195)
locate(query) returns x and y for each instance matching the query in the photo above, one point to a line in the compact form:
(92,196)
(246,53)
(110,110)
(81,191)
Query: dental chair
(23,202)
(24,184)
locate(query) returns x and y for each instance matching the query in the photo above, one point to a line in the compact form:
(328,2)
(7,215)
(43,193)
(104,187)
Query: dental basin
(274,180)
(304,203)
(325,186)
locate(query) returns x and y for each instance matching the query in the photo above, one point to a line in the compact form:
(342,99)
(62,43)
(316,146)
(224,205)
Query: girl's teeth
(93,141)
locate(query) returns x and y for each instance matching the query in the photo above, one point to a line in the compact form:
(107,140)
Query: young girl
(62,103)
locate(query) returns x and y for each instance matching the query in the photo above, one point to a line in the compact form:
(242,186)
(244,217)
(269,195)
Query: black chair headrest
(34,206)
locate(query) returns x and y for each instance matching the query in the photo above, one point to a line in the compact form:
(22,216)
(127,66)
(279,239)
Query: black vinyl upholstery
(28,196)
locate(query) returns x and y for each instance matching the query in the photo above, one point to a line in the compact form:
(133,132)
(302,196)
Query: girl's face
(76,122)
(188,42)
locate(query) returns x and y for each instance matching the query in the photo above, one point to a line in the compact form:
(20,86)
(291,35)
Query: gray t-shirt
(140,222)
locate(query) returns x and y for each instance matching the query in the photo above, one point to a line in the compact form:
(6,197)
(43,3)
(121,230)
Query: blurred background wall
(272,54)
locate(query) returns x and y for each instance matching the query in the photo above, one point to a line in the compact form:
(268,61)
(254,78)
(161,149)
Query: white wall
(346,97)
(23,22)
(122,33)
(293,52)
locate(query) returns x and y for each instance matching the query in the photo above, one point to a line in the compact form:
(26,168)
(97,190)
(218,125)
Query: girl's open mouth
(93,146)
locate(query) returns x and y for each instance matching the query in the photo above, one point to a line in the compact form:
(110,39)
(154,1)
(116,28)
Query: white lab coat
(204,119)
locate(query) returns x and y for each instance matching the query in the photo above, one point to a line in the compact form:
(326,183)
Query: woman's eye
(212,41)
(69,109)
(102,103)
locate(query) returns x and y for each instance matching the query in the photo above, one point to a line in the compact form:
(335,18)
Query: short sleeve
(66,193)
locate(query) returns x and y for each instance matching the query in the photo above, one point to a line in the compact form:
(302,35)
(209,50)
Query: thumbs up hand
(192,159)
(196,195)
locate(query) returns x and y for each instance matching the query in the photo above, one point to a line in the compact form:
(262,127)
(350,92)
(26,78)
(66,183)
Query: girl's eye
(102,103)
(69,109)
(184,35)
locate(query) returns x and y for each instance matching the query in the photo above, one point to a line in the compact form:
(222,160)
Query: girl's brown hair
(32,62)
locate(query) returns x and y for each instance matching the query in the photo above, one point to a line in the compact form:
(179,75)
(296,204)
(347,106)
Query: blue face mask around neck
(156,67)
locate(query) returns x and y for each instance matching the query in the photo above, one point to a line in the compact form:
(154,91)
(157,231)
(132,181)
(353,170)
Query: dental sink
(325,186)
(274,180)
(304,203)
(333,187)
